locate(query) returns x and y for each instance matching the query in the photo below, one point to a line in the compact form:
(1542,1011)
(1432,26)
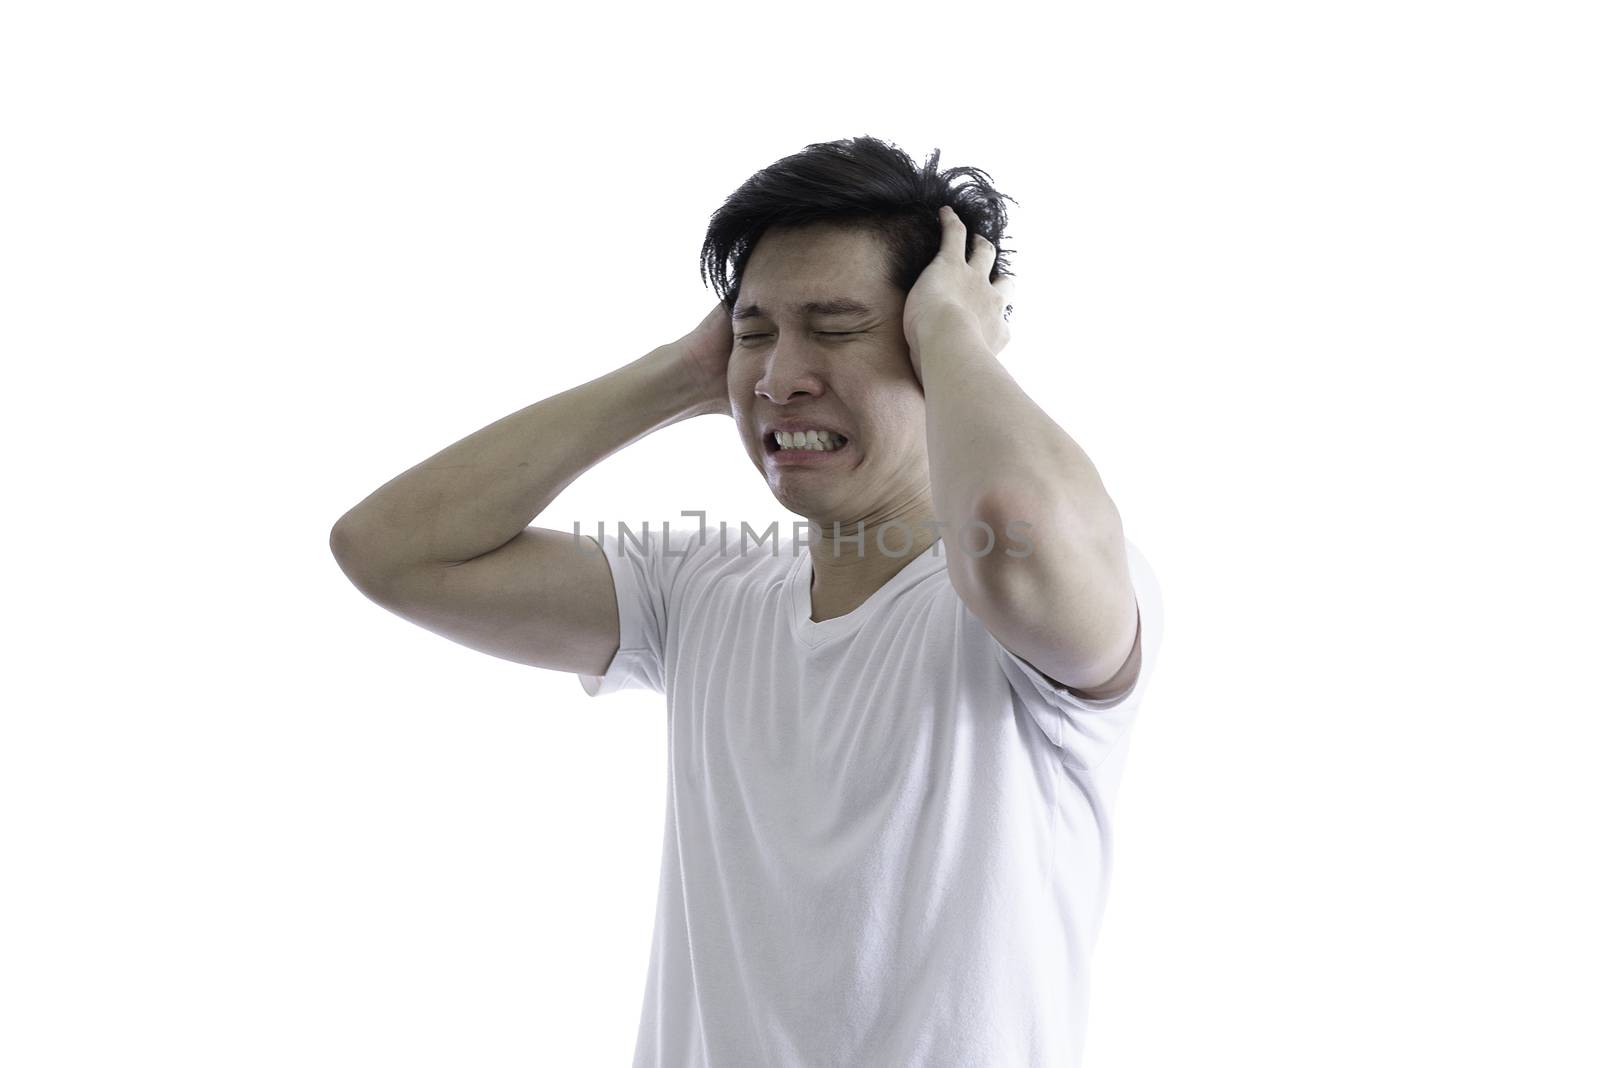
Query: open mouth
(817,441)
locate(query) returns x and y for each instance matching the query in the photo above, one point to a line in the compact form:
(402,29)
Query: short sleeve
(636,573)
(1086,729)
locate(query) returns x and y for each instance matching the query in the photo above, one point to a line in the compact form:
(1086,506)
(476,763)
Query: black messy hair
(857,182)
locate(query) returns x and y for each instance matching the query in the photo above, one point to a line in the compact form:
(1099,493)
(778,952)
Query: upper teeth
(826,440)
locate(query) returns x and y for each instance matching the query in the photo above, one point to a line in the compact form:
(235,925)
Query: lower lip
(805,457)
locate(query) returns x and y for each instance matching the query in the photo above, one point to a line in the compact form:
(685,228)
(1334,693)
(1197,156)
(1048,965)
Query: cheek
(741,382)
(740,408)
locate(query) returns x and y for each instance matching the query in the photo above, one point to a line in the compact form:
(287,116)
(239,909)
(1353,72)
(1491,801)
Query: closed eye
(824,333)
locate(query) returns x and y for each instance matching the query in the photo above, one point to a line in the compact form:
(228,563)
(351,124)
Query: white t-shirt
(887,838)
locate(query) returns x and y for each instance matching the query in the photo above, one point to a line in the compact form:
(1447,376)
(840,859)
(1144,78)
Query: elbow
(996,549)
(1038,547)
(353,552)
(339,538)
(343,540)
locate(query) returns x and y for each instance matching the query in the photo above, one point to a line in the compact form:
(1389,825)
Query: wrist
(944,328)
(681,389)
(947,334)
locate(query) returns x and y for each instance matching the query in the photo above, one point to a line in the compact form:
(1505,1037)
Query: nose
(789,373)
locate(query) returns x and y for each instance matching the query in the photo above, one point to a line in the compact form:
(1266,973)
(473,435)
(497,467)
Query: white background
(1315,286)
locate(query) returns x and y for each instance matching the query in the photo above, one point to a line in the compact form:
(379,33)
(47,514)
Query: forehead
(792,265)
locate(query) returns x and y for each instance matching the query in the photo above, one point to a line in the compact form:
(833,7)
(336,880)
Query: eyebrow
(834,306)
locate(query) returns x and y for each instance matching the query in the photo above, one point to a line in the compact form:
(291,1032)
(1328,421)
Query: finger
(953,241)
(1006,286)
(983,254)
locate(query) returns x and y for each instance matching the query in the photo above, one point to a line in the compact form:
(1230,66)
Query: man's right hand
(703,353)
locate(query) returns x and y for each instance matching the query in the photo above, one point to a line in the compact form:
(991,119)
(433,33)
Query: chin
(799,505)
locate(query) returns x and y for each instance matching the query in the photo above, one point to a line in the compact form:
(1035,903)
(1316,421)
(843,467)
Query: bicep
(1084,638)
(546,598)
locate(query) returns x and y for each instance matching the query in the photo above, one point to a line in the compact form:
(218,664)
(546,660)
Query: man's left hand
(954,290)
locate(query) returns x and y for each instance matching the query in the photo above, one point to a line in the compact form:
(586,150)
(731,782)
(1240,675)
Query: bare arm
(1067,604)
(447,543)
(1067,607)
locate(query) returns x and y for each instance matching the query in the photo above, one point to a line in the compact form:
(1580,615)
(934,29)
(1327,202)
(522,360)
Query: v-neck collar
(813,633)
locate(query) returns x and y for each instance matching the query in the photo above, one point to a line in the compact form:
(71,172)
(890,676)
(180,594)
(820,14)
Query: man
(892,752)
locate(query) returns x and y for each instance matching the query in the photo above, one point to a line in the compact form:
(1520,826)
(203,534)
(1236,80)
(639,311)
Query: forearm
(479,493)
(996,457)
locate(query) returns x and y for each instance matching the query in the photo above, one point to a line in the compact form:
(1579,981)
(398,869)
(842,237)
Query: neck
(852,567)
